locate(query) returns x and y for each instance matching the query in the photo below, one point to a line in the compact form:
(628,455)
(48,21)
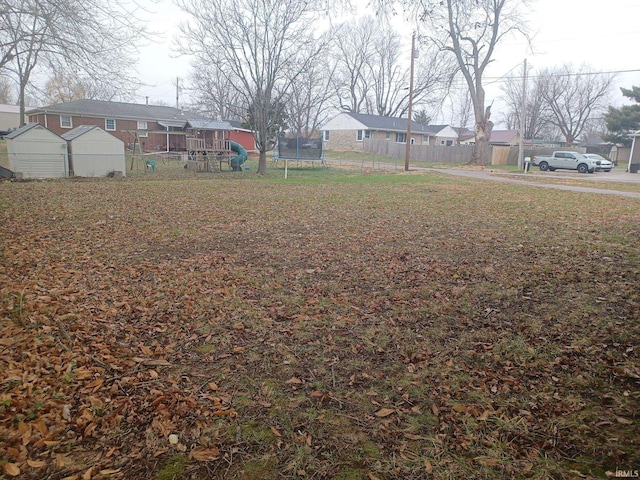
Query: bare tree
(7,94)
(91,39)
(461,108)
(574,97)
(213,94)
(372,70)
(470,30)
(535,115)
(353,46)
(260,47)
(308,101)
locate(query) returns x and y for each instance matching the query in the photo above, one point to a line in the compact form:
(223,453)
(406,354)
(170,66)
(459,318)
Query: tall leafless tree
(574,97)
(461,108)
(260,46)
(352,47)
(93,39)
(372,70)
(307,102)
(470,30)
(213,94)
(535,122)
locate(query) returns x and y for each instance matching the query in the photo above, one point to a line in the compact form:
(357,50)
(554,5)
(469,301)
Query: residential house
(151,127)
(242,136)
(9,117)
(349,131)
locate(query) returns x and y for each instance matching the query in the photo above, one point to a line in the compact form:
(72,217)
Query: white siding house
(36,152)
(93,152)
(352,131)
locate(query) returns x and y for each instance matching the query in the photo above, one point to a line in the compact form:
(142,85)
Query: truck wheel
(544,166)
(582,168)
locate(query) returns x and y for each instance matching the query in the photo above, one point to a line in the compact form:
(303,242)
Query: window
(425,139)
(65,121)
(449,143)
(325,135)
(359,135)
(142,125)
(388,136)
(110,124)
(367,134)
(401,137)
(143,134)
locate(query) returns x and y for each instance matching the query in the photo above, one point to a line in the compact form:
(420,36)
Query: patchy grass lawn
(331,326)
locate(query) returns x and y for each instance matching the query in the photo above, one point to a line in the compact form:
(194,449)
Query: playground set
(209,157)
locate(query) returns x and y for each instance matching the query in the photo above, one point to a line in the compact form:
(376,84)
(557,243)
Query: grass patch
(336,324)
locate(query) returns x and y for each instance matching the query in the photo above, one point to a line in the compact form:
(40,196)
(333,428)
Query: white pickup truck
(567,161)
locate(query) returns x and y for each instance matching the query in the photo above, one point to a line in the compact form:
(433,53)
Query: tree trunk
(262,163)
(483,135)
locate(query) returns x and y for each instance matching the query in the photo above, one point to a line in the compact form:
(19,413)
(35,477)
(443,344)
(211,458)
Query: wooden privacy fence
(441,154)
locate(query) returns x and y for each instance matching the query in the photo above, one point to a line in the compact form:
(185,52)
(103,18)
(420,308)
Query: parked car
(565,160)
(605,165)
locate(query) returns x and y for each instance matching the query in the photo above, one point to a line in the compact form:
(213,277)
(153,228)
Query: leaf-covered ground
(326,327)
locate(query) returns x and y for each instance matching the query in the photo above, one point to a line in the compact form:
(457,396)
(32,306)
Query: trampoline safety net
(303,148)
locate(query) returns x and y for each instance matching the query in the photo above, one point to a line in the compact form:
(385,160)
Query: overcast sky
(604,35)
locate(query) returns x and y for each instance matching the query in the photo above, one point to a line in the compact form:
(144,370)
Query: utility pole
(407,153)
(523,107)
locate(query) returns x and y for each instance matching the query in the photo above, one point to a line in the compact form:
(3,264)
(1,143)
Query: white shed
(94,152)
(36,152)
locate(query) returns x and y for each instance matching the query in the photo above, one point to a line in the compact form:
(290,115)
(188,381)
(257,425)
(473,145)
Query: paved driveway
(616,175)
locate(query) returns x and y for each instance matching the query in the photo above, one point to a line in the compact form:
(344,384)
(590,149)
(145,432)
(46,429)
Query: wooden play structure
(203,157)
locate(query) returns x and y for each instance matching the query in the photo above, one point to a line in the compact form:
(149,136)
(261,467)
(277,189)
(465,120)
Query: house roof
(503,136)
(25,128)
(5,108)
(377,122)
(497,136)
(100,108)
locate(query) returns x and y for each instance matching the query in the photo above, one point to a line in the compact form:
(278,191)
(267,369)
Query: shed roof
(78,131)
(205,124)
(100,108)
(25,128)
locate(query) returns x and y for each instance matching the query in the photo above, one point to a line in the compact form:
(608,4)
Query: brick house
(158,128)
(349,131)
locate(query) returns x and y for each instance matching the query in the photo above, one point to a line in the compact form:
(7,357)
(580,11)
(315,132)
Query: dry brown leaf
(624,421)
(384,412)
(459,408)
(484,416)
(11,469)
(294,380)
(204,454)
(372,477)
(411,436)
(427,466)
(36,463)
